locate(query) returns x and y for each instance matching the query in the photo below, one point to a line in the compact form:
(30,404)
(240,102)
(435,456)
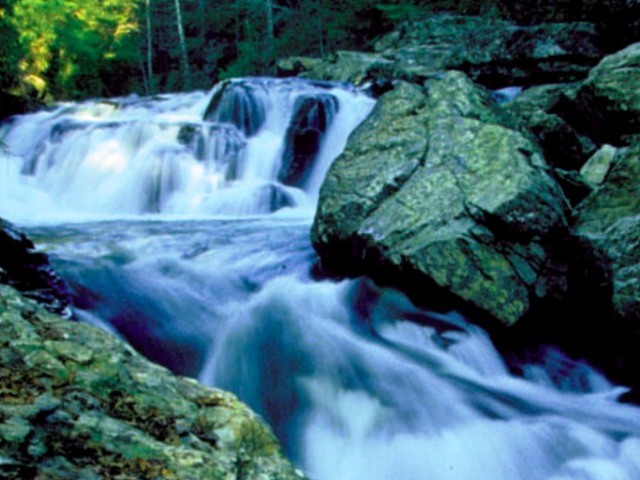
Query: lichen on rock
(609,220)
(77,403)
(438,185)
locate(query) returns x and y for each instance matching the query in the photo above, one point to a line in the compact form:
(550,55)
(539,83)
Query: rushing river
(182,225)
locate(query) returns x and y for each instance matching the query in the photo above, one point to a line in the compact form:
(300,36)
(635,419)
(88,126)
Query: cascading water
(181,224)
(218,154)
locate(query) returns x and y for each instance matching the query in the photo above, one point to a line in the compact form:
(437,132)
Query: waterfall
(248,147)
(181,223)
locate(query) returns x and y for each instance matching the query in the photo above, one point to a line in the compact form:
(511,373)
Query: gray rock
(29,271)
(438,186)
(491,51)
(77,403)
(548,112)
(597,167)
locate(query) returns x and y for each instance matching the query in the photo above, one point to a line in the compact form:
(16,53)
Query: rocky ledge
(77,403)
(493,52)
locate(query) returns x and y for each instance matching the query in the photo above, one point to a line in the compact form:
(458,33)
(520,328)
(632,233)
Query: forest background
(72,49)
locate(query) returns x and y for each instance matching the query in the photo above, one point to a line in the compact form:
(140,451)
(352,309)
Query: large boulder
(438,189)
(609,220)
(77,403)
(491,51)
(609,100)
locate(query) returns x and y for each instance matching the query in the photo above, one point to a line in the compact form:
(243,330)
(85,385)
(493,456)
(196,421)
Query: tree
(10,49)
(150,87)
(184,57)
(74,48)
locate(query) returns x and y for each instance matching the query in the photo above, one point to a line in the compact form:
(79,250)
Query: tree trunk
(151,81)
(184,59)
(270,28)
(321,28)
(238,27)
(202,19)
(269,33)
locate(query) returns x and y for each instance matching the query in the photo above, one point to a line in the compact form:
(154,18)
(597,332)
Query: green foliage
(71,47)
(80,48)
(10,48)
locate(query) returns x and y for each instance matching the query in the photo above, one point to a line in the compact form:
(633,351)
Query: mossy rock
(609,220)
(76,402)
(439,188)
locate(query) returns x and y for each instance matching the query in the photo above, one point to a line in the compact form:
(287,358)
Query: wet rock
(437,188)
(609,220)
(607,224)
(29,271)
(312,117)
(547,112)
(191,136)
(239,103)
(76,402)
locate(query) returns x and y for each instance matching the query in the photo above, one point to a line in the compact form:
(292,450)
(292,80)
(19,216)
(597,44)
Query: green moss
(78,403)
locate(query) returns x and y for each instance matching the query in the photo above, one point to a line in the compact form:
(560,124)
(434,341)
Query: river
(181,223)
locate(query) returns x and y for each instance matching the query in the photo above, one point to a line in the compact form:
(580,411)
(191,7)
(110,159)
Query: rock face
(27,270)
(76,403)
(492,52)
(579,125)
(438,186)
(240,104)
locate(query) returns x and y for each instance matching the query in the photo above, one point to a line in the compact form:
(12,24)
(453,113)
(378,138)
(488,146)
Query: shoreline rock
(29,271)
(438,185)
(77,403)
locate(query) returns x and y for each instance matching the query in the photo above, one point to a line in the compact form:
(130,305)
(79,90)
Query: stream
(181,223)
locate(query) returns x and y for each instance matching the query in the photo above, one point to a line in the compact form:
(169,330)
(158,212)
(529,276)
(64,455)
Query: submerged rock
(239,103)
(312,117)
(438,190)
(77,403)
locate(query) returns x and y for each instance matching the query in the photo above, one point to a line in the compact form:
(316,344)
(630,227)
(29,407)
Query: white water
(125,157)
(356,381)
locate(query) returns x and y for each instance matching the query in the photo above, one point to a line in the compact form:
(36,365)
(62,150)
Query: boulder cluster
(523,212)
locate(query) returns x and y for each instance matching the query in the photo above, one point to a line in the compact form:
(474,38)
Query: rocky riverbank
(78,403)
(523,213)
